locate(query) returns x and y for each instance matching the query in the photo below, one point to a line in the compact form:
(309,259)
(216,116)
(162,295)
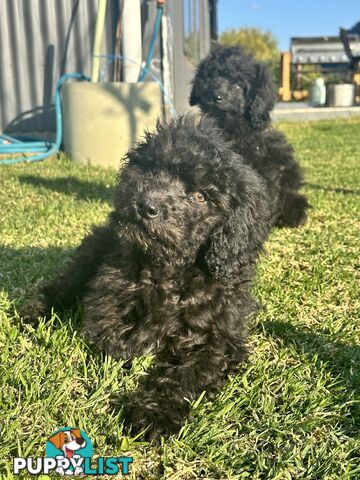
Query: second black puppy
(238,92)
(170,272)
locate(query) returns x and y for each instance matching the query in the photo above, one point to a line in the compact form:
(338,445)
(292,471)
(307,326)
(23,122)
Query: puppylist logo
(69,451)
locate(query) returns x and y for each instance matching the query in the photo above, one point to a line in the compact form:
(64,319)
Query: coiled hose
(44,149)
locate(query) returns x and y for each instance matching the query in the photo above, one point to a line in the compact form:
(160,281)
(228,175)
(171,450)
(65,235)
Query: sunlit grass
(293,410)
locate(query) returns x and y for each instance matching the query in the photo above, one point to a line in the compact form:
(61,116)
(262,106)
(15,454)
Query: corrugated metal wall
(39,41)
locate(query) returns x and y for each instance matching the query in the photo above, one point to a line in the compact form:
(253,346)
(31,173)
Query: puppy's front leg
(293,211)
(161,401)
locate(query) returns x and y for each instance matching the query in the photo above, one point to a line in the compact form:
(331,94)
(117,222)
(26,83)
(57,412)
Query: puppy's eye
(199,197)
(218,98)
(66,440)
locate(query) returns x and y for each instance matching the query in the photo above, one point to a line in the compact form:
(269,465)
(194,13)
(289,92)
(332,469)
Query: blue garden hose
(44,149)
(155,34)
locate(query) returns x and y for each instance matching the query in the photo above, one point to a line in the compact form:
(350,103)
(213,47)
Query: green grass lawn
(291,413)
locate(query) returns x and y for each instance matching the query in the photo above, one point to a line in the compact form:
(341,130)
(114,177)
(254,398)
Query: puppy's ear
(57,440)
(199,83)
(263,97)
(195,94)
(235,244)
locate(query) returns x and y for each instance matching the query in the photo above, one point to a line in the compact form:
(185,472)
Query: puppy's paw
(294,212)
(33,310)
(152,420)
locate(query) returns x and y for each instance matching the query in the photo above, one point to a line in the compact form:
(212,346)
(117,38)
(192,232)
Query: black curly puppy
(170,273)
(238,92)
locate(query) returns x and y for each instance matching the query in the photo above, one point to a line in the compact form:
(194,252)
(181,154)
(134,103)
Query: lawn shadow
(72,186)
(345,191)
(342,360)
(23,269)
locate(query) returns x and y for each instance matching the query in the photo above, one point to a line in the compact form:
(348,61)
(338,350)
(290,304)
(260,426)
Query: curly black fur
(238,92)
(170,272)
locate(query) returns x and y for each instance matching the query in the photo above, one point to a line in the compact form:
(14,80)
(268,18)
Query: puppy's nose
(147,209)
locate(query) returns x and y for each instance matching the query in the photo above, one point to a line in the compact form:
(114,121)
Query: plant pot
(340,95)
(101,121)
(317,93)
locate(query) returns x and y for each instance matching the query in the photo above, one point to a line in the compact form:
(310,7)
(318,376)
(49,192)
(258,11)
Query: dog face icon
(68,441)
